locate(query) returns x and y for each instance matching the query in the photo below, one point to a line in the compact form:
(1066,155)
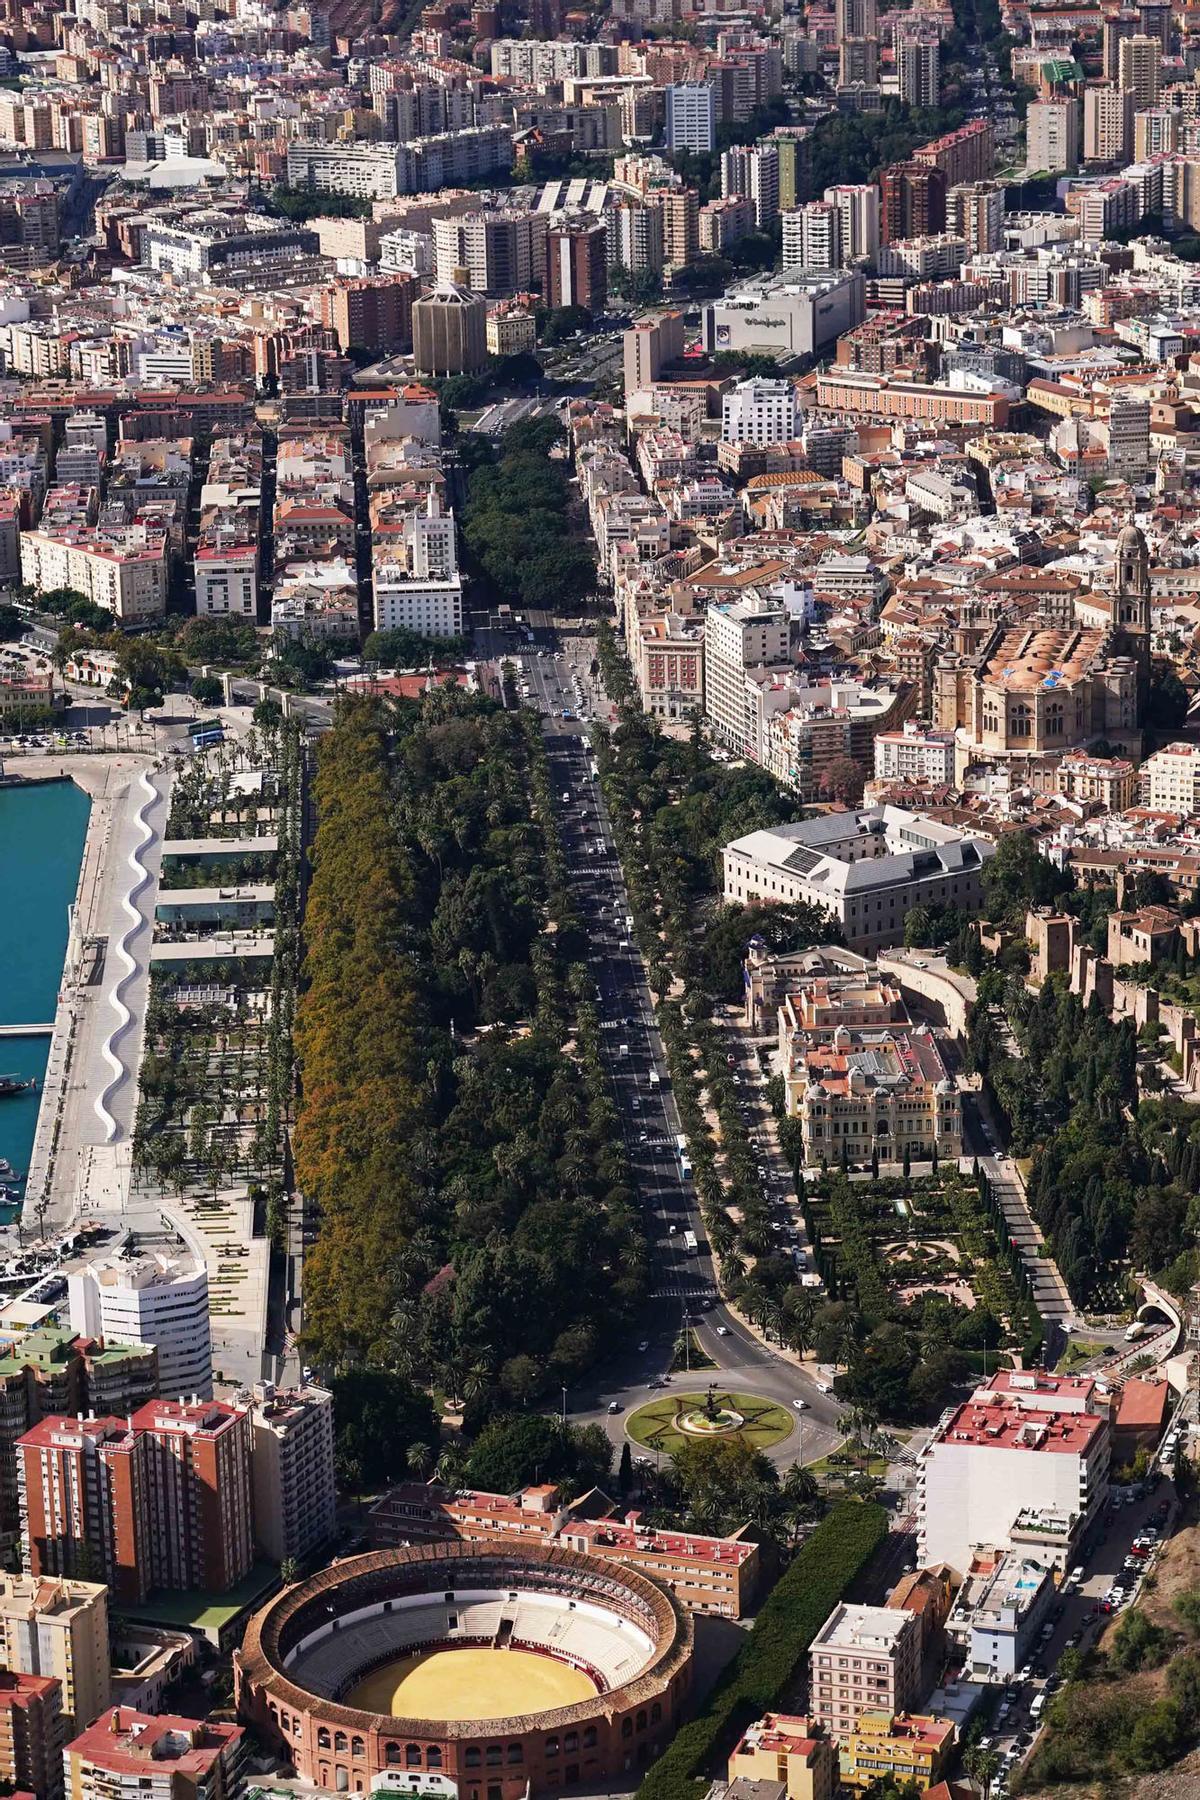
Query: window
(323,1739)
(339,1742)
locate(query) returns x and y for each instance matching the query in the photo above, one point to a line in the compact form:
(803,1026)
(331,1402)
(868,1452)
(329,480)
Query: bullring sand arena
(471,1684)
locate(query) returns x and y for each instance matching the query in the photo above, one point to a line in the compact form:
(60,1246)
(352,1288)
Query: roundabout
(667,1424)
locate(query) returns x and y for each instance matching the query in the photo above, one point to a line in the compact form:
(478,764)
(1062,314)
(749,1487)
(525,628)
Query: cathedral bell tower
(1131,606)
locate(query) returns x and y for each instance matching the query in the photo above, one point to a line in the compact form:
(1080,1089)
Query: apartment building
(1139,69)
(59,1628)
(739,636)
(1107,123)
(648,347)
(503,251)
(706,1574)
(51,1371)
(121,568)
(295,1503)
(810,728)
(1053,135)
(129,1755)
(868,868)
(1169,780)
(160,1501)
(858,206)
(781,1747)
(918,66)
(759,411)
(915,753)
(752,171)
(372,314)
(999,1610)
(577,264)
(901,1747)
(32,1734)
(1024,1441)
(226,581)
(691,109)
(864,1659)
(150,1299)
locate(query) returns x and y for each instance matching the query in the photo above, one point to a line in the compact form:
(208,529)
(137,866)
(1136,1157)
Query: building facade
(154,1299)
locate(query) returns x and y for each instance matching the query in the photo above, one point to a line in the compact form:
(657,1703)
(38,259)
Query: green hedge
(763,1670)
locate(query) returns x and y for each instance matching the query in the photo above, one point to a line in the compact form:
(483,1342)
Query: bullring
(395,1622)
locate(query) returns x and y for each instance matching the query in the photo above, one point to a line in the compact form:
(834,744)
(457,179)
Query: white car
(722,1331)
(800,1405)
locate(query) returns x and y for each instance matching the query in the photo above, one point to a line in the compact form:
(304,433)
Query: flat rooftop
(992,1421)
(876,1629)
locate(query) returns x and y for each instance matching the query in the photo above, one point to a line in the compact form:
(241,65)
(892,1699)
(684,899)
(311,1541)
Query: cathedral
(1033,690)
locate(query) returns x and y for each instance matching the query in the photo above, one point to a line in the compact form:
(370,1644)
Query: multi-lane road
(557,676)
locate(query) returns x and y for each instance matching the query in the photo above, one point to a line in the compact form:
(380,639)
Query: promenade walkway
(129,809)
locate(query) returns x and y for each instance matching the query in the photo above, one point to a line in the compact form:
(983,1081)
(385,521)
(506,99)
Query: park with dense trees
(479,1230)
(516,521)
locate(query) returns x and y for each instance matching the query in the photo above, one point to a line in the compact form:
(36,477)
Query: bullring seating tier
(608,1647)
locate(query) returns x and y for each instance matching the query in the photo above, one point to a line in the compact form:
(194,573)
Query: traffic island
(666,1425)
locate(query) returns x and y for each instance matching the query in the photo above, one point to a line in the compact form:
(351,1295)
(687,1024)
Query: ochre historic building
(1039,690)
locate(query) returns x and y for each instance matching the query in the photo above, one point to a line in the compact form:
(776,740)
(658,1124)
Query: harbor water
(42,831)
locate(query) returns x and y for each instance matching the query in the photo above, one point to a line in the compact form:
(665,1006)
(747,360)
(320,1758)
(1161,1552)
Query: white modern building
(793,314)
(759,411)
(998,1611)
(150,1299)
(1026,1440)
(858,204)
(691,116)
(227,581)
(739,636)
(868,868)
(415,574)
(812,236)
(915,753)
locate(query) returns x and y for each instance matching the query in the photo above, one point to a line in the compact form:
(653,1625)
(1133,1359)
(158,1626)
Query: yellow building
(797,1751)
(904,1745)
(59,1627)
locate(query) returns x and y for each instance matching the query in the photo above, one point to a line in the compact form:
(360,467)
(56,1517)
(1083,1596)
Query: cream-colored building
(295,1506)
(864,1659)
(121,568)
(59,1627)
(1170,779)
(881,1091)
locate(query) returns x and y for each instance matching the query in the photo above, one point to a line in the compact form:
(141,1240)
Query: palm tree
(419,1460)
(981,1766)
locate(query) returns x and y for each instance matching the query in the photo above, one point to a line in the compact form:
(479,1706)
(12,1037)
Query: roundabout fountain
(667,1424)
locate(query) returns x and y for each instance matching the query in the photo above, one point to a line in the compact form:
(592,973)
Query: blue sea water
(42,832)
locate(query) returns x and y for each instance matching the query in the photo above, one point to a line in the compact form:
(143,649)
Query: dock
(17,1031)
